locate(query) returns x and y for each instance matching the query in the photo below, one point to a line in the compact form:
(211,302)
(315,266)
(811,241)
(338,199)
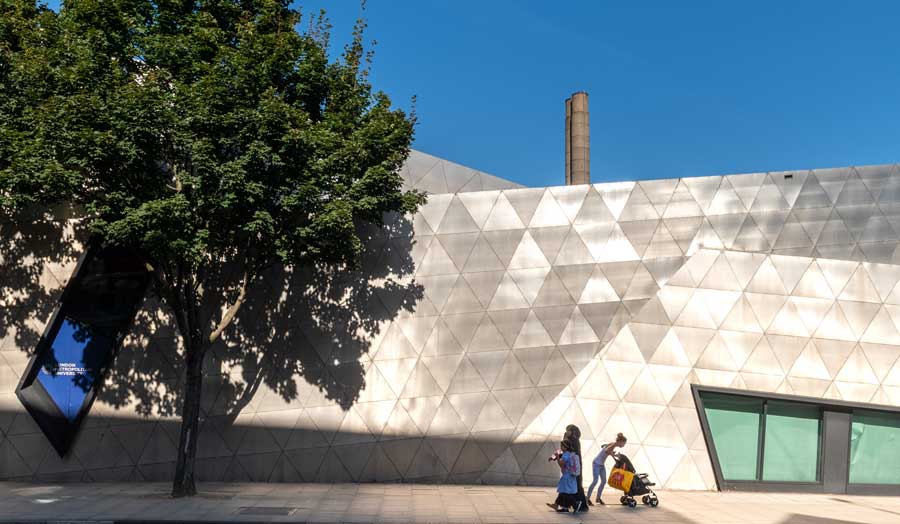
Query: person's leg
(556,503)
(580,499)
(602,474)
(562,502)
(596,468)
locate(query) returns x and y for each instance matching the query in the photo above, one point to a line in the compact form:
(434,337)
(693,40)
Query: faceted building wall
(482,326)
(431,174)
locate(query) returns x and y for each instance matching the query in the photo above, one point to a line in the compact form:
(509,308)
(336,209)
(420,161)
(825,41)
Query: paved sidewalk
(406,503)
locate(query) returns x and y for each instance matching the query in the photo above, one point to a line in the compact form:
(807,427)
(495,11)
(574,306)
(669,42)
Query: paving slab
(413,504)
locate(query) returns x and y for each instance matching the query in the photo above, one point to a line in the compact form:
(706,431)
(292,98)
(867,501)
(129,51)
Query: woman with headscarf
(573,435)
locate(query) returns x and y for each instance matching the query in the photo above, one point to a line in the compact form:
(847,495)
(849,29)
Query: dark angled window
(735,423)
(68,371)
(763,441)
(95,312)
(758,439)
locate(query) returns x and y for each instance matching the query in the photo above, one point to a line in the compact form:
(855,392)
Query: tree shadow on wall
(305,335)
(38,252)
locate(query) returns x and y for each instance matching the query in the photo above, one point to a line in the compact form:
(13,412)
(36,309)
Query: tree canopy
(216,137)
(197,129)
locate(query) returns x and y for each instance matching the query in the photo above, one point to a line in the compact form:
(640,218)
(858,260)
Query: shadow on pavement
(809,519)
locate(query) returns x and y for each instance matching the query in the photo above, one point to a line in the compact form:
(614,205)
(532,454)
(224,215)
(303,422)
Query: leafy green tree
(214,136)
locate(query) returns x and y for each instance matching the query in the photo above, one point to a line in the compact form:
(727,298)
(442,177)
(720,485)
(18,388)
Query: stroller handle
(622,461)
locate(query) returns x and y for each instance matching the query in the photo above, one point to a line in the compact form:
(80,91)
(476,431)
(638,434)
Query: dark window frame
(781,486)
(59,430)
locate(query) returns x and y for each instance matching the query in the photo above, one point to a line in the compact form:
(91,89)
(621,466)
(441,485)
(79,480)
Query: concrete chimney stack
(578,140)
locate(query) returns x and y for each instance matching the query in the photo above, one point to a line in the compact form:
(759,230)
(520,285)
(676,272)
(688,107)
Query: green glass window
(793,432)
(875,448)
(734,424)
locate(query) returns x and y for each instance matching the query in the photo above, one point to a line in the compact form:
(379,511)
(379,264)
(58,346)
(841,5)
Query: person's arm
(577,465)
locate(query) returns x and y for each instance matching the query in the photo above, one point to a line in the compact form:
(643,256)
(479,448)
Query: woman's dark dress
(573,435)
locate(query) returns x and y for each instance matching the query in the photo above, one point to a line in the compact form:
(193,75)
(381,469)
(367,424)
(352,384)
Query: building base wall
(474,333)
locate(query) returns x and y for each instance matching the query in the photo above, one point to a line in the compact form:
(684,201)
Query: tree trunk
(185,483)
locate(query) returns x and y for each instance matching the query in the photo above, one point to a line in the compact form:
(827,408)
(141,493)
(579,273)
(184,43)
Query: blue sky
(676,88)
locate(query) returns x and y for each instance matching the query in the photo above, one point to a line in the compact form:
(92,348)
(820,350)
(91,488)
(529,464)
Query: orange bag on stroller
(620,479)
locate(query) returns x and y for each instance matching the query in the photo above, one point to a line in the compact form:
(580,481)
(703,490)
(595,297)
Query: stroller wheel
(654,502)
(632,503)
(623,500)
(645,499)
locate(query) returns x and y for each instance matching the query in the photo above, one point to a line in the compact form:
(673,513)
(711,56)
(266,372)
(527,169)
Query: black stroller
(640,485)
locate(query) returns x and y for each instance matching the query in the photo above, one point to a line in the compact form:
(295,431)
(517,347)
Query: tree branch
(170,293)
(229,315)
(178,187)
(162,281)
